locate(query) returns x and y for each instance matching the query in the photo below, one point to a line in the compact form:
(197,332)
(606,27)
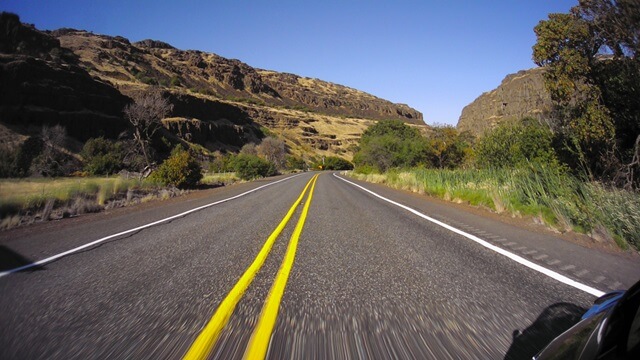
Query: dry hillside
(83,80)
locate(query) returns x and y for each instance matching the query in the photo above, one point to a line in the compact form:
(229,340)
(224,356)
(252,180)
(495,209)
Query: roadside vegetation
(546,194)
(32,199)
(514,169)
(577,170)
(50,175)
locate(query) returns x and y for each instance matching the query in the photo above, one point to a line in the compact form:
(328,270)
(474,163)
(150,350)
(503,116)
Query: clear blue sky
(436,56)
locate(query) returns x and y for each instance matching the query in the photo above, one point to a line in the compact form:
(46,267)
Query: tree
(447,148)
(617,23)
(592,75)
(295,163)
(52,160)
(516,144)
(145,114)
(391,143)
(337,163)
(273,150)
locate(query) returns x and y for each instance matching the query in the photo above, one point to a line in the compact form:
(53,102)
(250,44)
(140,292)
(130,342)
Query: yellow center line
(203,344)
(259,343)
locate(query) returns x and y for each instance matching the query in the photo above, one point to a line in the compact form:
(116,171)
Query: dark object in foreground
(609,330)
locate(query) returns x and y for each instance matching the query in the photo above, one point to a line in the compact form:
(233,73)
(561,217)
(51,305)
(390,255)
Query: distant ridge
(83,80)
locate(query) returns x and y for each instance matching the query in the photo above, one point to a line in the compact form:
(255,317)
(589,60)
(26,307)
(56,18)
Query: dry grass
(44,198)
(219,178)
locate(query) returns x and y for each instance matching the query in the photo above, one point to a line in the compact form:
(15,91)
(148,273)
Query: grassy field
(558,199)
(19,196)
(24,200)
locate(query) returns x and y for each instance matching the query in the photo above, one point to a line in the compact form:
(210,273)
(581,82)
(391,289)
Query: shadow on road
(552,322)
(10,259)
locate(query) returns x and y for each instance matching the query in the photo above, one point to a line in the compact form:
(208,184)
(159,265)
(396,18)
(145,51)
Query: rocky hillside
(82,81)
(43,84)
(519,95)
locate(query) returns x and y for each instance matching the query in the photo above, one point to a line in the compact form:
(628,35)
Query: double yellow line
(259,343)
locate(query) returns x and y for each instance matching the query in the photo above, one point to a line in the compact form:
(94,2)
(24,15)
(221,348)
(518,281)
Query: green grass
(560,200)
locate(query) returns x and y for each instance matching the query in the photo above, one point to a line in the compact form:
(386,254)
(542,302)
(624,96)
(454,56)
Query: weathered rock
(41,87)
(80,79)
(334,99)
(16,38)
(153,44)
(226,78)
(519,95)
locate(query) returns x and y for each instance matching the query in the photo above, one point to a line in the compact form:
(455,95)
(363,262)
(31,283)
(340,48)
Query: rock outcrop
(83,81)
(43,85)
(519,95)
(154,62)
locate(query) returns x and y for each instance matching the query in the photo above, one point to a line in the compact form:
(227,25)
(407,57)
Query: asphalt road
(370,279)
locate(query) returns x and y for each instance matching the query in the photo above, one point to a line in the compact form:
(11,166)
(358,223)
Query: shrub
(295,163)
(102,156)
(391,144)
(7,161)
(180,170)
(249,167)
(513,145)
(28,151)
(337,163)
(221,163)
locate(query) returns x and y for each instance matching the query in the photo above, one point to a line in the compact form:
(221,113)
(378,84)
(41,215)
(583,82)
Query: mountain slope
(218,103)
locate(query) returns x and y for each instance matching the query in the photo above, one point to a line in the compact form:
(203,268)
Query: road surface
(378,274)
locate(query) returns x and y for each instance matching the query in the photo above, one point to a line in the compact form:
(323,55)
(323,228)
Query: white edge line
(82,247)
(552,274)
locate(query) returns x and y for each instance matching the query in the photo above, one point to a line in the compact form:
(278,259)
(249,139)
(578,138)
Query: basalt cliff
(83,81)
(519,95)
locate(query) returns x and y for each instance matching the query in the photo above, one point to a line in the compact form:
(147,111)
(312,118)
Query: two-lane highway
(366,279)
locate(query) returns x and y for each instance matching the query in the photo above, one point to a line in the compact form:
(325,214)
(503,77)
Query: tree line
(593,77)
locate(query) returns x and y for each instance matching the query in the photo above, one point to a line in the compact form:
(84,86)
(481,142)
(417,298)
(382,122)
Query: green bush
(7,161)
(102,156)
(337,163)
(180,170)
(28,151)
(391,144)
(221,163)
(448,149)
(249,167)
(512,145)
(295,163)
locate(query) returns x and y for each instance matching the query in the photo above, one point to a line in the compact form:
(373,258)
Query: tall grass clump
(549,192)
(221,178)
(30,196)
(619,211)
